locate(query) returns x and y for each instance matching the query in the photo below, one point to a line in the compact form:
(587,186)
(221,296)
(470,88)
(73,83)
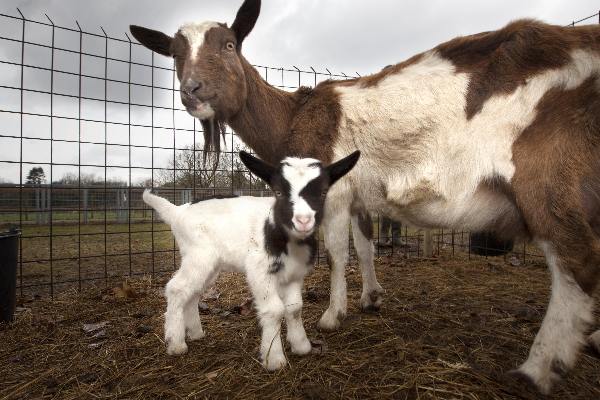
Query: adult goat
(496,131)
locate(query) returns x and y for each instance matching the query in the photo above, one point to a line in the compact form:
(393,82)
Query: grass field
(91,251)
(72,217)
(66,255)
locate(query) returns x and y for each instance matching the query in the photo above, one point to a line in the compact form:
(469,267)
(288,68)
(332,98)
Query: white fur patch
(194,33)
(202,111)
(562,333)
(371,289)
(335,236)
(228,235)
(299,172)
(418,145)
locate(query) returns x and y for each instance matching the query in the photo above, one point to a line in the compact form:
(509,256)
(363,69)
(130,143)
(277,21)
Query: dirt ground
(449,328)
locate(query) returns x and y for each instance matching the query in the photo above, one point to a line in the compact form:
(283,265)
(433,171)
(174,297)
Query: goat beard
(213,130)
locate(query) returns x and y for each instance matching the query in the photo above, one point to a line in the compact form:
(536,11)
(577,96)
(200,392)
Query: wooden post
(186,196)
(428,244)
(38,214)
(47,199)
(85,206)
(122,206)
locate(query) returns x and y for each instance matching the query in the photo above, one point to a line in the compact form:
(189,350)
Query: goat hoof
(175,349)
(522,384)
(371,301)
(197,335)
(370,308)
(594,342)
(302,348)
(274,363)
(331,320)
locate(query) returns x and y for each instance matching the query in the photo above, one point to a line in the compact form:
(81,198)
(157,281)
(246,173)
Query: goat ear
(154,40)
(245,19)
(340,168)
(258,167)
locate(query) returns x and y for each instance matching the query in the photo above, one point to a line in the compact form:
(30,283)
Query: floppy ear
(245,19)
(154,40)
(258,167)
(340,168)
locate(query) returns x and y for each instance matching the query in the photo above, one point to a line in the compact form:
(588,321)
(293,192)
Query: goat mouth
(195,104)
(307,232)
(200,109)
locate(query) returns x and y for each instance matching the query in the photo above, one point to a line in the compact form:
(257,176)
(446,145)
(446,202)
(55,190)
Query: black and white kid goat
(272,240)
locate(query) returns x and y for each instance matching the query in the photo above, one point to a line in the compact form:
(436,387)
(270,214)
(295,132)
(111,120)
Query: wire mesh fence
(86,122)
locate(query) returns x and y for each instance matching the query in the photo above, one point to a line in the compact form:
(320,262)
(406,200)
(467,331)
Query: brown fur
(556,182)
(314,129)
(264,120)
(502,60)
(277,124)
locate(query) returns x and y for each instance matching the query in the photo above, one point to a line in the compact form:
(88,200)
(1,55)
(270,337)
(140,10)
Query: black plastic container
(486,244)
(9,250)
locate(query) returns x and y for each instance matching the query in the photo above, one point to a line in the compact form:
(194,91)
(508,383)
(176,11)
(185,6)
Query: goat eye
(324,193)
(277,193)
(230,46)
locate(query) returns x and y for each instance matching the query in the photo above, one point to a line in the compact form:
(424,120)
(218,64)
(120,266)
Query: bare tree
(189,169)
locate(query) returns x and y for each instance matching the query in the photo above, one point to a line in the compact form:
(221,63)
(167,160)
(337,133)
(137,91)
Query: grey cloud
(357,35)
(345,36)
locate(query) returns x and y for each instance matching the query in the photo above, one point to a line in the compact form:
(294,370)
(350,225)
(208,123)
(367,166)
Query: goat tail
(164,207)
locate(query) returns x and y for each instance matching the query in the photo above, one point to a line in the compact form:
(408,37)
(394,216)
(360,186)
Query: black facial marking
(313,194)
(283,209)
(217,196)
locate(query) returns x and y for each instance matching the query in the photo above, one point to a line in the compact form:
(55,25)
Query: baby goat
(271,240)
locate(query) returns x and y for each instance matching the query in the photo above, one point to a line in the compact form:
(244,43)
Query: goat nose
(190,86)
(303,219)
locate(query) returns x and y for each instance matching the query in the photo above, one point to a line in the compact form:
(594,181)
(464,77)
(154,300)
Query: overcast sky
(350,36)
(343,35)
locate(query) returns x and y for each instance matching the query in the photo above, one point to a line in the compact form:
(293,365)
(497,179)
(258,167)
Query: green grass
(95,216)
(90,251)
(71,252)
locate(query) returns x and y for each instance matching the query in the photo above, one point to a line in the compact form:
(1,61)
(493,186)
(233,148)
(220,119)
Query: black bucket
(487,244)
(9,250)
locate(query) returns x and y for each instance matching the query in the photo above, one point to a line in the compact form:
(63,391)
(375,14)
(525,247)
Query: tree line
(187,169)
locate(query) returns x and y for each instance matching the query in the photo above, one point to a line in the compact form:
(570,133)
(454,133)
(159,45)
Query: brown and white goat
(495,131)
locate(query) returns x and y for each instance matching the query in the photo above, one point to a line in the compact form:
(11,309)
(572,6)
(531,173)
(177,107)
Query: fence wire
(87,121)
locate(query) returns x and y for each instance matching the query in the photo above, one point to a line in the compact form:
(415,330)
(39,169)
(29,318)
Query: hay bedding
(448,329)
